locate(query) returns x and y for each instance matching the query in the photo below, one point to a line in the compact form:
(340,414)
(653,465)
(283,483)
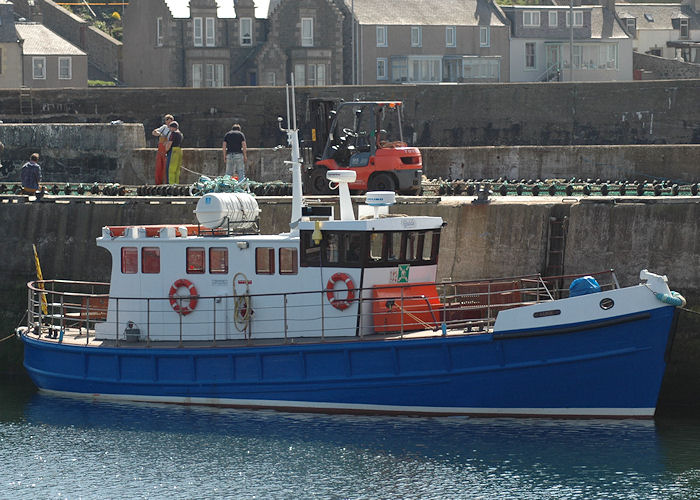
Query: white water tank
(215,209)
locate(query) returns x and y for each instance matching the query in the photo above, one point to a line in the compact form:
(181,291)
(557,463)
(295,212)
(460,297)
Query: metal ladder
(26,106)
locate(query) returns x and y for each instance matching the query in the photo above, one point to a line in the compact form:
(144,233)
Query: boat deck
(82,337)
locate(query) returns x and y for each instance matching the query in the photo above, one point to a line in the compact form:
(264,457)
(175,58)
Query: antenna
(293,140)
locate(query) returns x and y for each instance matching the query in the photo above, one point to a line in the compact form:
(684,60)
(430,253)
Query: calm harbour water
(54,447)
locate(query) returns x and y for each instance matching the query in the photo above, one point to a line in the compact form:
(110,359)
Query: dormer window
(197,38)
(211,31)
(246,32)
(531,18)
(684,28)
(631,23)
(578,18)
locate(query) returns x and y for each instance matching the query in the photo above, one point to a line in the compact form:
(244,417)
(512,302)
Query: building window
(530,61)
(553,19)
(211,32)
(451,36)
(316,75)
(481,68)
(416,36)
(300,74)
(195,260)
(381,68)
(578,18)
(265,260)
(608,56)
(197,75)
(484,36)
(197,31)
(39,68)
(289,260)
(271,78)
(307,32)
(159,31)
(382,40)
(218,260)
(684,28)
(531,18)
(246,35)
(631,23)
(150,260)
(130,260)
(65,69)
(578,56)
(424,69)
(399,69)
(214,75)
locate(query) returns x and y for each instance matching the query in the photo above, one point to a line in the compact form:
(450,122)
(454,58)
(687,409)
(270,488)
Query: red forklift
(364,136)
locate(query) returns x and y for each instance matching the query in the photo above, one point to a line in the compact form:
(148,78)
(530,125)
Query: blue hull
(612,368)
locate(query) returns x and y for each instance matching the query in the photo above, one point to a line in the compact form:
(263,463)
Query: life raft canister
(176,301)
(340,304)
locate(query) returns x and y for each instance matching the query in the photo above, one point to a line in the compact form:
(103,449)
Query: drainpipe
(571,41)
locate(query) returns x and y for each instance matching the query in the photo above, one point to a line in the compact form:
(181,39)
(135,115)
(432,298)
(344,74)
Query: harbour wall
(454,115)
(117,153)
(507,237)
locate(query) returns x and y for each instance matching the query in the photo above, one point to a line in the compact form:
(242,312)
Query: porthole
(607,303)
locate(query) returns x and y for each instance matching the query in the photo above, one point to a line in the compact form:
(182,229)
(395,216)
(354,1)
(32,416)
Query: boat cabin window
(218,260)
(130,260)
(376,249)
(150,260)
(265,260)
(288,257)
(195,260)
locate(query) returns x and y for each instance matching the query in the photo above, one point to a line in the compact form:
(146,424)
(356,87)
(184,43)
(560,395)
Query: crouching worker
(31,177)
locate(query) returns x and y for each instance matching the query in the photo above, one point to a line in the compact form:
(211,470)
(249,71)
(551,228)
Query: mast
(293,140)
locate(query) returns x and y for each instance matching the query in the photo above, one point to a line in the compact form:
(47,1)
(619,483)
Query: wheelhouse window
(289,260)
(265,260)
(376,249)
(130,260)
(195,260)
(218,260)
(150,260)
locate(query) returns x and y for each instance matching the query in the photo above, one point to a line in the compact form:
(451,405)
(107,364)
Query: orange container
(416,306)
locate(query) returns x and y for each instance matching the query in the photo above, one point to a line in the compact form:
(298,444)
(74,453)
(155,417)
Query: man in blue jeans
(235,152)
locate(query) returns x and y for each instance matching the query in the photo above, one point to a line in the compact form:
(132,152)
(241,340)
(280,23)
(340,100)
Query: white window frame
(210,32)
(316,74)
(683,26)
(416,36)
(300,74)
(307,31)
(484,36)
(578,19)
(66,61)
(197,36)
(553,18)
(422,64)
(450,36)
(382,65)
(531,18)
(159,31)
(214,75)
(481,68)
(243,40)
(382,38)
(533,66)
(197,75)
(42,74)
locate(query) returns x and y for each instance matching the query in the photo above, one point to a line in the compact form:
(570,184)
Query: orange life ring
(340,304)
(176,301)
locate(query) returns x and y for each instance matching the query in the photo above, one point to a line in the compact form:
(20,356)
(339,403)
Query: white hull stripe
(368,408)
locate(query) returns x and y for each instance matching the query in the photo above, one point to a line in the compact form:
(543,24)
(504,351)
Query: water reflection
(273,454)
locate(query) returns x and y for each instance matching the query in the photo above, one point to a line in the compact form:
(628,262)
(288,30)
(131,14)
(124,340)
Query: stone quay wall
(507,237)
(455,115)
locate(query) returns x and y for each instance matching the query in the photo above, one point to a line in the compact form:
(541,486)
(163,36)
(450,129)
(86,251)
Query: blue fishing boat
(342,314)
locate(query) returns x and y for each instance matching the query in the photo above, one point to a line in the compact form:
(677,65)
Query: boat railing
(57,306)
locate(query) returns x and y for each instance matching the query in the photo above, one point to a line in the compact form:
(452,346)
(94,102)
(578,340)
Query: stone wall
(459,115)
(664,69)
(71,153)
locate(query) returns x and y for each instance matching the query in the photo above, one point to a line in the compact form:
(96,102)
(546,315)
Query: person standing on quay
(162,134)
(174,152)
(235,152)
(31,176)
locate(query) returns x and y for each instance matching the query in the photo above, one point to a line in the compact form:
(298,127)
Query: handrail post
(401,311)
(214,325)
(116,322)
(148,322)
(284,305)
(323,317)
(179,314)
(488,301)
